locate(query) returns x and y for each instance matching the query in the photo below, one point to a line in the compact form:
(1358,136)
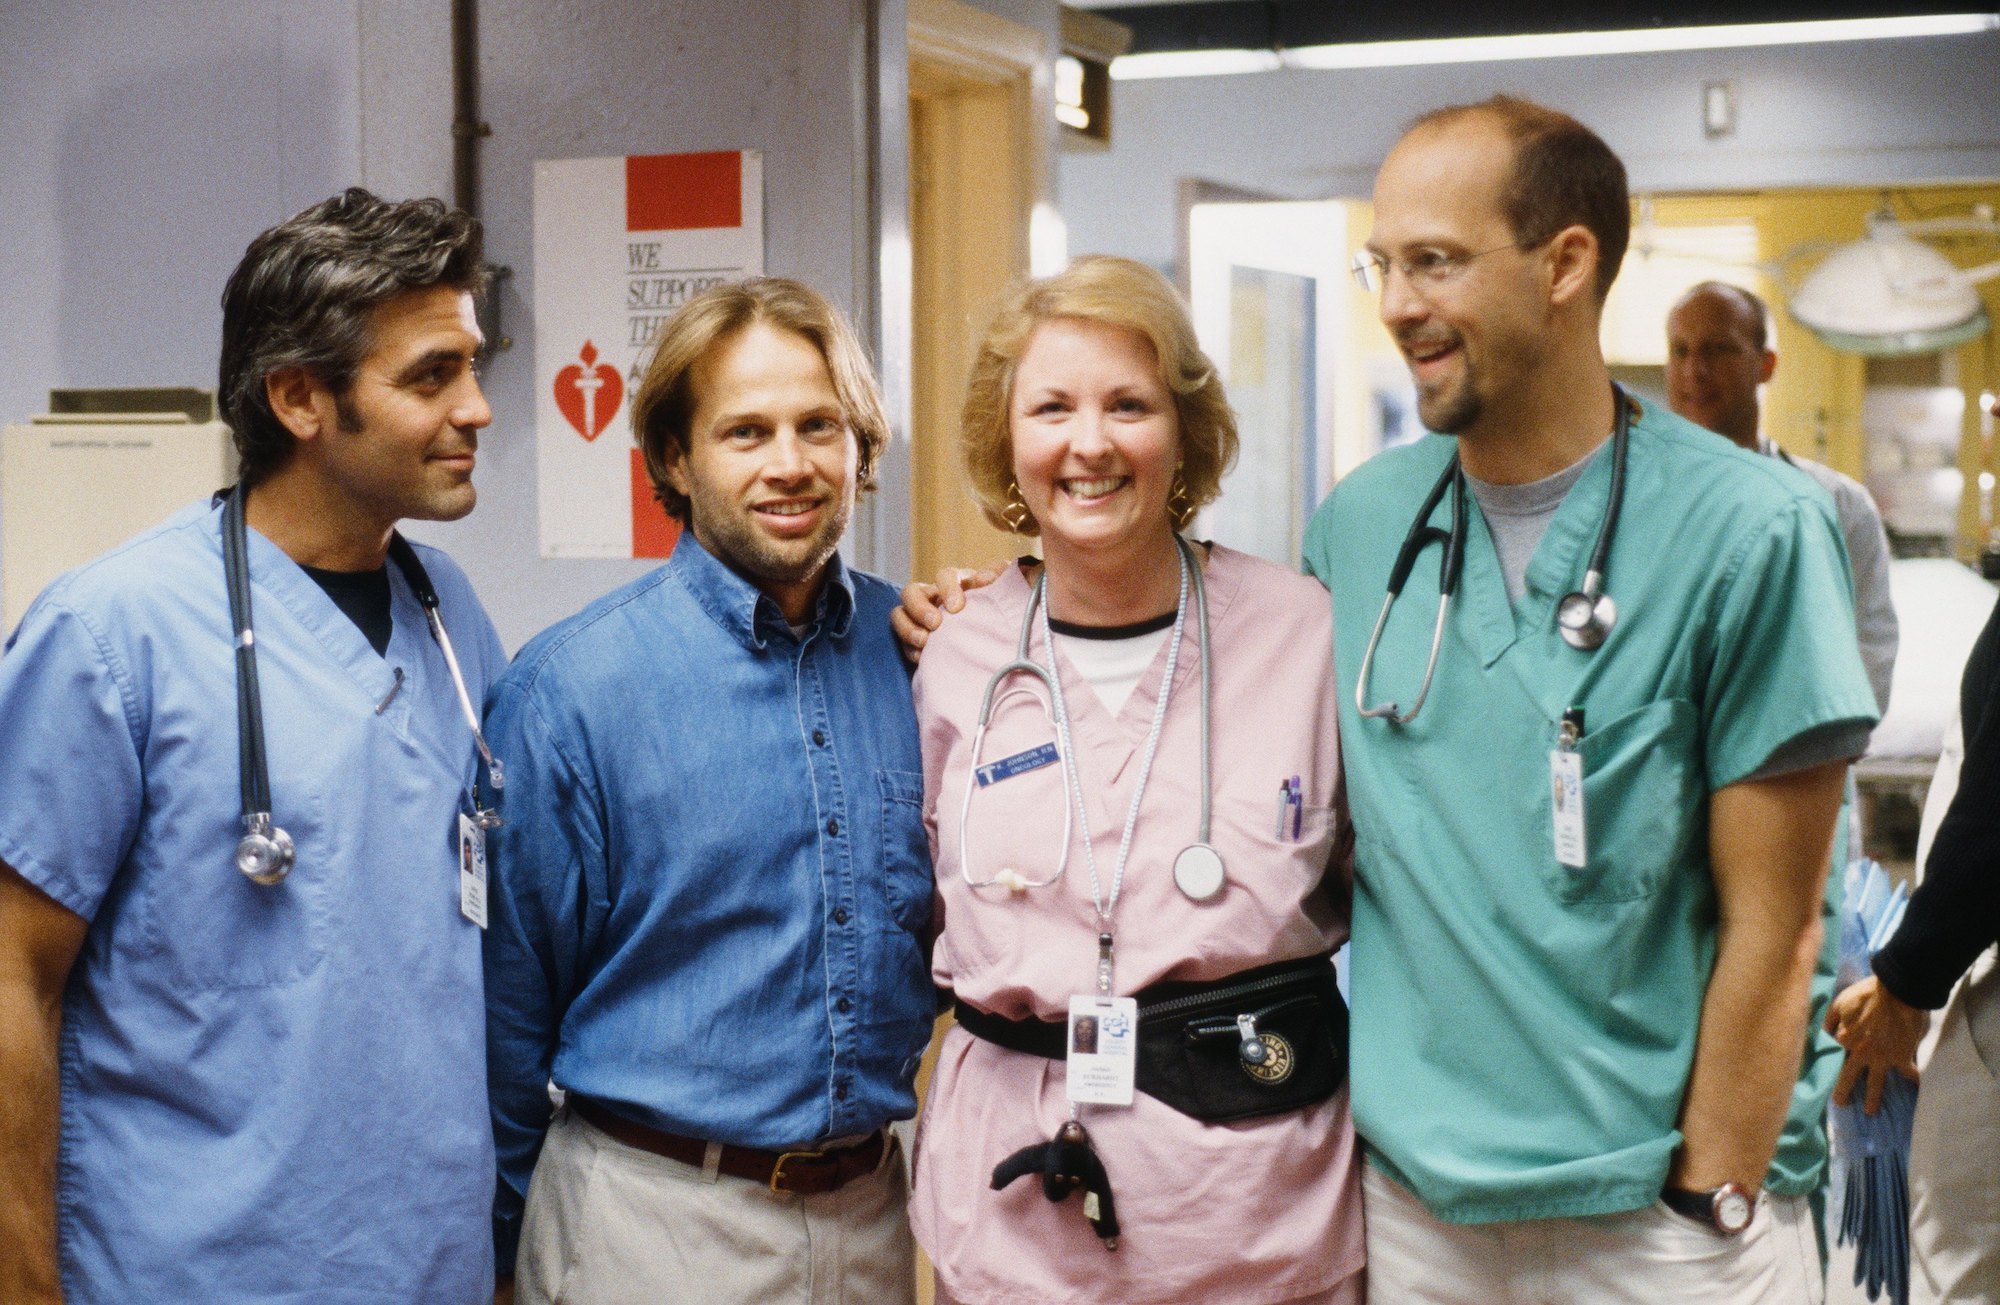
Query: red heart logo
(588,393)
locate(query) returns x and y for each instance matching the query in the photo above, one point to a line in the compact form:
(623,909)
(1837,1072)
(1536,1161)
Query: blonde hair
(1115,292)
(664,407)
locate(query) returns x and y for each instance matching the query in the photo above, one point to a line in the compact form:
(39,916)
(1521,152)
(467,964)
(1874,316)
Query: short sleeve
(70,789)
(1783,661)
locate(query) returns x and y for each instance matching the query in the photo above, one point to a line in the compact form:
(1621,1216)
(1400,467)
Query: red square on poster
(683,192)
(653,531)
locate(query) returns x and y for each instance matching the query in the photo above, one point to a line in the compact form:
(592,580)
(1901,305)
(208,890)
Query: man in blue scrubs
(213,1089)
(1587,884)
(712,896)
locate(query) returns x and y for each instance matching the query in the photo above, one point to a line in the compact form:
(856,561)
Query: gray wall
(142,146)
(1909,110)
(140,150)
(577,80)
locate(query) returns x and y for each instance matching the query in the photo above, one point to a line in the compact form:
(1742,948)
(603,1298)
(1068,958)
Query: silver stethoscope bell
(1198,872)
(1585,616)
(264,854)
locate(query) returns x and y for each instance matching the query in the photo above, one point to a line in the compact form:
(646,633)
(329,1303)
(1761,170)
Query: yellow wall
(1813,403)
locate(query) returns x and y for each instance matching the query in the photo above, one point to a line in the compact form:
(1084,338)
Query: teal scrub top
(1522,1031)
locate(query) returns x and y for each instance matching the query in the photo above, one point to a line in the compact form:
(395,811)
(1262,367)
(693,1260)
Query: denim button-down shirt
(711,897)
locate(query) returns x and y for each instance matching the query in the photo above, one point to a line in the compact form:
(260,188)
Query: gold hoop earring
(1180,506)
(1015,513)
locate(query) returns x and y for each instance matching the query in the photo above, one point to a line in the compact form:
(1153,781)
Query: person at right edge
(1074,864)
(1577,1025)
(1947,935)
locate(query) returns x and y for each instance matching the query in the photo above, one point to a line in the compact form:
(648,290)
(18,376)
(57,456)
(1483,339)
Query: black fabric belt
(1258,1042)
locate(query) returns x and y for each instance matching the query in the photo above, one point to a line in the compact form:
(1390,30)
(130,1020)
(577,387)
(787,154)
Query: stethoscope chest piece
(1585,619)
(1198,872)
(265,854)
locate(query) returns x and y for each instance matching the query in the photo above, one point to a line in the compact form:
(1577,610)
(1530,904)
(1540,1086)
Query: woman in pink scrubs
(1095,422)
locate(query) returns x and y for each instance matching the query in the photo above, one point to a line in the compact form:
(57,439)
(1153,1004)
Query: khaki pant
(1955,1152)
(1642,1257)
(609,1224)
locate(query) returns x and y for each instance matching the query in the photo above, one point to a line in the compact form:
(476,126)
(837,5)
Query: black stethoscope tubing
(1584,616)
(266,852)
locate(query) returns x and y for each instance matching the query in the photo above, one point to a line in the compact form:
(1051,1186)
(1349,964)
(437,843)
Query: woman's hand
(925,604)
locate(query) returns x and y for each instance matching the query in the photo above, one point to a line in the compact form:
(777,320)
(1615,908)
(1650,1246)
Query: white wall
(1860,113)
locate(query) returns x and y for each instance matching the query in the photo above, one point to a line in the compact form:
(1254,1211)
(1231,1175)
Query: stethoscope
(1584,616)
(1198,869)
(266,852)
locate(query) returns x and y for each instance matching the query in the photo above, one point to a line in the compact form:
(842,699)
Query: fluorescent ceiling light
(1554,45)
(1192,63)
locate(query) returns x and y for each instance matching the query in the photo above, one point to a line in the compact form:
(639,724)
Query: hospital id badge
(471,870)
(1566,796)
(1103,1050)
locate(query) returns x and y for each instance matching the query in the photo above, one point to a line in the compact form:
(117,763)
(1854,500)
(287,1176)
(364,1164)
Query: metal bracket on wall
(491,322)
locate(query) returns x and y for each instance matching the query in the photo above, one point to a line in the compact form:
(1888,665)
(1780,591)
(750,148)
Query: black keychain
(1066,1163)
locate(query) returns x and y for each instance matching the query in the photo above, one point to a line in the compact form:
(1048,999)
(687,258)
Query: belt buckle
(807,1157)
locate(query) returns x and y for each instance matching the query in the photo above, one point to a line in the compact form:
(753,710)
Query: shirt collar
(743,610)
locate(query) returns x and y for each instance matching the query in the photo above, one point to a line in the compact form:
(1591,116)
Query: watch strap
(1708,1207)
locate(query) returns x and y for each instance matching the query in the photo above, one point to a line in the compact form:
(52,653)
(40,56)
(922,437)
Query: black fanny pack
(1260,1042)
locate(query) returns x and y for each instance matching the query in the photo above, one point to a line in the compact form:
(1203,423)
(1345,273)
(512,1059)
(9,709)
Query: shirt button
(840,915)
(840,1091)
(819,738)
(833,827)
(843,1005)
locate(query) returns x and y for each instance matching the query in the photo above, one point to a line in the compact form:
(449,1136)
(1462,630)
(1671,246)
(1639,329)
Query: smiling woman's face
(1096,435)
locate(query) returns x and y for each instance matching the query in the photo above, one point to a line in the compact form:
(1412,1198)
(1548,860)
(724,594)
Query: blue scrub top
(1522,1031)
(268,1093)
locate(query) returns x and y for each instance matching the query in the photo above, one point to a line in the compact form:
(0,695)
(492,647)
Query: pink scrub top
(1263,1210)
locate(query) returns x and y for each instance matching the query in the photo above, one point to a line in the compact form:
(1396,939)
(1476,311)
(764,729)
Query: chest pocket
(213,929)
(1643,801)
(906,853)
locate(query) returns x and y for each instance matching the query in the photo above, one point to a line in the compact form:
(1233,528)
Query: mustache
(1416,338)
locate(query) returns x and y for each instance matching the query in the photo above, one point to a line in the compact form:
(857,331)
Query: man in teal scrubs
(1576,1031)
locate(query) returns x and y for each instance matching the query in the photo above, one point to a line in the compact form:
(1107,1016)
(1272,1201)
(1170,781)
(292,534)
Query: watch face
(1732,1209)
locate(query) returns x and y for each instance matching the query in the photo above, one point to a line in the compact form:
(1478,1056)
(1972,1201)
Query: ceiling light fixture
(1890,293)
(1552,45)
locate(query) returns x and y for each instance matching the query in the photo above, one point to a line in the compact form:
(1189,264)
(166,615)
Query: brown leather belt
(803,1172)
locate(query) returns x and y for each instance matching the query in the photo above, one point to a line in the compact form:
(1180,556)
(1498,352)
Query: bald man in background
(1719,355)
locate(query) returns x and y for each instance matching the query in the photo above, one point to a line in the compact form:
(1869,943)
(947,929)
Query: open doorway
(980,125)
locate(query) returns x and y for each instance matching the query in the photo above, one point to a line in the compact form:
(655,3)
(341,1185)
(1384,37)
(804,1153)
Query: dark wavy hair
(305,295)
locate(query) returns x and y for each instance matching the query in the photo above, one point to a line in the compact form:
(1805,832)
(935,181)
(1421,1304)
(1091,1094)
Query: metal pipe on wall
(467,130)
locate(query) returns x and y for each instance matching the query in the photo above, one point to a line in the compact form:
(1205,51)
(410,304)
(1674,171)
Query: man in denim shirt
(711,895)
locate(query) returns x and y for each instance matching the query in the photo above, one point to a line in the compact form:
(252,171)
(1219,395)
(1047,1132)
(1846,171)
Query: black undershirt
(1955,914)
(1071,630)
(364,597)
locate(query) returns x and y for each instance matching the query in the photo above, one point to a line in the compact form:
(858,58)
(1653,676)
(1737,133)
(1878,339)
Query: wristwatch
(1727,1208)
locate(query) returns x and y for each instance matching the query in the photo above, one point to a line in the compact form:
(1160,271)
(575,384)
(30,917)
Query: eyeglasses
(1427,269)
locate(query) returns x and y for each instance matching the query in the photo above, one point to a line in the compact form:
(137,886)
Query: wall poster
(620,244)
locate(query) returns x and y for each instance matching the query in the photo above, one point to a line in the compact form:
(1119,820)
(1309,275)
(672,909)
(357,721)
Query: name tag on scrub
(1018,764)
